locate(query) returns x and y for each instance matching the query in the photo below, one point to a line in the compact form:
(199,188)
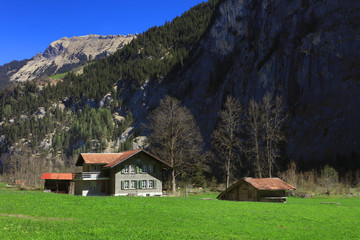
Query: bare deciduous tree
(264,123)
(24,168)
(273,118)
(175,136)
(253,129)
(226,137)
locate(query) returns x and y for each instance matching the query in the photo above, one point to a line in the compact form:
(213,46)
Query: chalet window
(133,185)
(144,184)
(92,185)
(126,184)
(132,169)
(144,168)
(138,169)
(151,169)
(125,169)
(151,183)
(96,168)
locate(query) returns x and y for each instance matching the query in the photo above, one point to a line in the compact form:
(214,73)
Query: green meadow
(59,76)
(38,215)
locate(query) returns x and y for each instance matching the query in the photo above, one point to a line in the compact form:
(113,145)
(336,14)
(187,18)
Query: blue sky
(28,27)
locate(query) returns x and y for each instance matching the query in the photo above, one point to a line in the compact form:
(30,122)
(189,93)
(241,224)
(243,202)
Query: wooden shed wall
(273,193)
(242,192)
(59,186)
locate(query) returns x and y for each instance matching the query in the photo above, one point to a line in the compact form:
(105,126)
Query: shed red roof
(269,184)
(57,176)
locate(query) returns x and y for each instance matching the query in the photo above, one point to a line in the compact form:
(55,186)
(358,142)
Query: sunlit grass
(59,76)
(38,215)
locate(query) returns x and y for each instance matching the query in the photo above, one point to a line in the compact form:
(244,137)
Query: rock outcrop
(66,54)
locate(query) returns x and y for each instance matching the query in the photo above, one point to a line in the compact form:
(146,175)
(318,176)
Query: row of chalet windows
(138,184)
(137,169)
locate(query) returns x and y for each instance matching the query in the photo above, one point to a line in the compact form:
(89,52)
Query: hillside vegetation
(58,114)
(32,214)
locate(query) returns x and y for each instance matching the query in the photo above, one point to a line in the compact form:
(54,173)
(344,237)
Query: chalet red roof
(57,176)
(97,158)
(269,184)
(110,159)
(128,154)
(122,156)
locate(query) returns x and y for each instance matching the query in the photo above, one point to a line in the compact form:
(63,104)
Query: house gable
(140,174)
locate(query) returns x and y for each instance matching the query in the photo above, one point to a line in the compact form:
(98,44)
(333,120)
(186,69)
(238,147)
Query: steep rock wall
(307,51)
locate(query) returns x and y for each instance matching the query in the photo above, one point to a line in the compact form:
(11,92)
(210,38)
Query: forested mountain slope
(306,51)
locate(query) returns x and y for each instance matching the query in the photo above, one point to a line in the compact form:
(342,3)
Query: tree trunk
(173,177)
(269,156)
(257,156)
(173,182)
(228,173)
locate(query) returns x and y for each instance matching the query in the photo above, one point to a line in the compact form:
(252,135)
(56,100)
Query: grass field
(59,76)
(38,215)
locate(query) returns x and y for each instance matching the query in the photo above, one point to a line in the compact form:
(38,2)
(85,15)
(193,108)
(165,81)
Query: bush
(290,175)
(329,178)
(324,182)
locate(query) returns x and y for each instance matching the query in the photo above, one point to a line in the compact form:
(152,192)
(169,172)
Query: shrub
(329,178)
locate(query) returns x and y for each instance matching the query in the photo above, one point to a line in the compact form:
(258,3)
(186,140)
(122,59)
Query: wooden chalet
(59,182)
(135,172)
(257,189)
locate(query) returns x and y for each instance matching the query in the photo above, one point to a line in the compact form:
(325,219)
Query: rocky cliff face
(8,69)
(307,51)
(66,54)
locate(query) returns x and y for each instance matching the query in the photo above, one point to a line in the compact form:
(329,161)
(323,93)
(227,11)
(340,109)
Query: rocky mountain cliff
(307,51)
(63,55)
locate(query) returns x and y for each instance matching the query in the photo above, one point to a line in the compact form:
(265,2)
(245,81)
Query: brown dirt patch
(35,218)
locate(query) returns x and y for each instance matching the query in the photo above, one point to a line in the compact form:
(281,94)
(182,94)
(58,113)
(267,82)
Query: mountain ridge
(64,55)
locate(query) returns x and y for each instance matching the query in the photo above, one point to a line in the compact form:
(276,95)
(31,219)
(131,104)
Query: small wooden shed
(59,182)
(257,189)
